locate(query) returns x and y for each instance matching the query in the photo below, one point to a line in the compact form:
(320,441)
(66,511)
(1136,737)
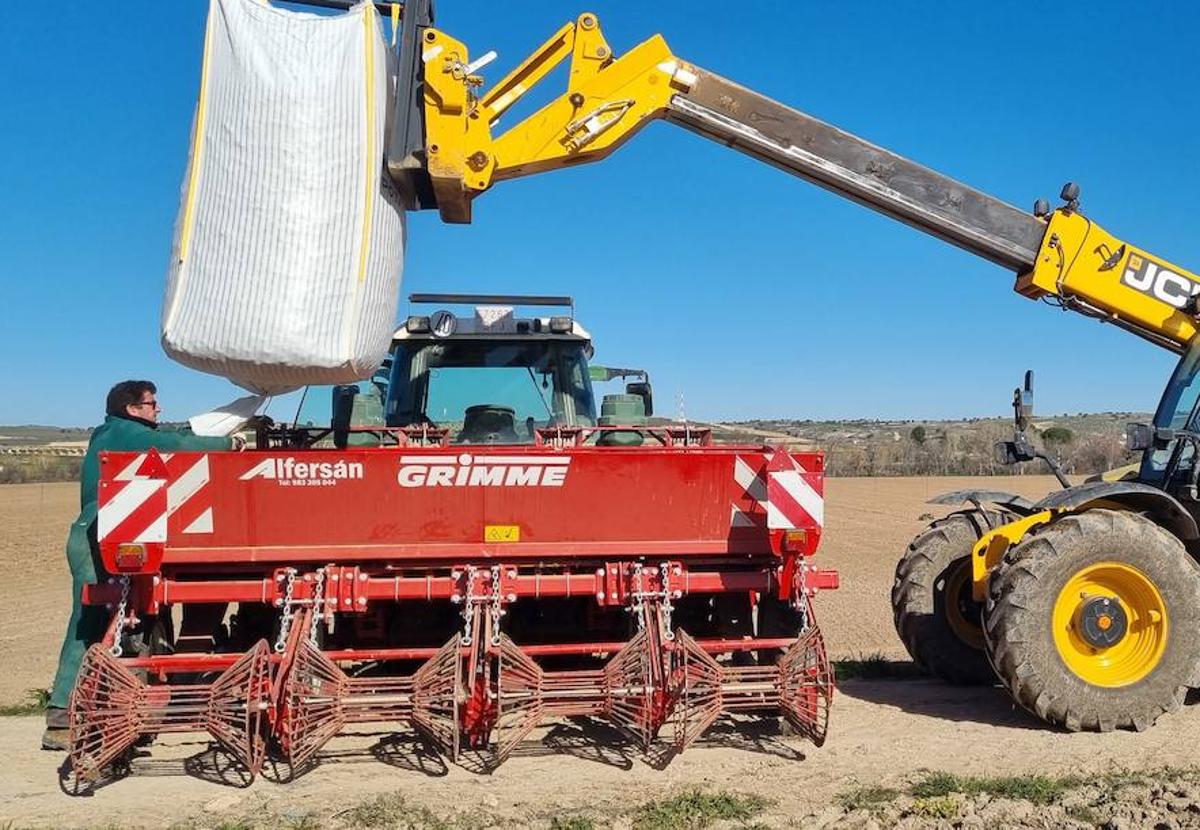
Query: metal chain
(664,570)
(318,617)
(115,650)
(637,605)
(665,595)
(496,609)
(468,611)
(801,602)
(285,621)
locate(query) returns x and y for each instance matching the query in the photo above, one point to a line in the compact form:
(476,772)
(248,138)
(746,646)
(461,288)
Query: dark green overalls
(87,623)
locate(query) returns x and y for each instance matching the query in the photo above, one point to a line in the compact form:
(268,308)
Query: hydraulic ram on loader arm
(453,157)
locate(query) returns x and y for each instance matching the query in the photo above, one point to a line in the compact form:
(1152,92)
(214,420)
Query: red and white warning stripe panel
(754,488)
(795,496)
(134,507)
(189,500)
(133,469)
(188,504)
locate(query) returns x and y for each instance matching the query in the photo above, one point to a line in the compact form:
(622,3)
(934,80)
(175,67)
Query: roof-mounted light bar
(493,299)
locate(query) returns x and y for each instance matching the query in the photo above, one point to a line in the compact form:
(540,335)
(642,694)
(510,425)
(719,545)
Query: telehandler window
(1177,411)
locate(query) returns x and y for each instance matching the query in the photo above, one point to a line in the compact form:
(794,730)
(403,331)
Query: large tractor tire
(937,619)
(1092,622)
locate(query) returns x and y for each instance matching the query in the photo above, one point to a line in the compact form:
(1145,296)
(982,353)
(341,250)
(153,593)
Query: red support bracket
(800,579)
(493,583)
(615,583)
(623,582)
(345,589)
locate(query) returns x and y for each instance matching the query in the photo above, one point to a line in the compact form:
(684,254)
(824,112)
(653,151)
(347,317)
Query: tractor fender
(1017,504)
(1163,508)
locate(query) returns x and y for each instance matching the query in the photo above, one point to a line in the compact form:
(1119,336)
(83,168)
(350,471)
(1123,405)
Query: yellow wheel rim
(955,597)
(1137,611)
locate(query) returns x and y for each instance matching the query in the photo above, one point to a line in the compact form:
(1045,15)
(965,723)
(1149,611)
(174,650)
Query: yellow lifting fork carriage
(1086,605)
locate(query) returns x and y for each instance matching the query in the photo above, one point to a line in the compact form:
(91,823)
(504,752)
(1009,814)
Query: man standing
(130,425)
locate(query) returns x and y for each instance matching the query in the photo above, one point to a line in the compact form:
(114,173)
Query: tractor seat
(488,423)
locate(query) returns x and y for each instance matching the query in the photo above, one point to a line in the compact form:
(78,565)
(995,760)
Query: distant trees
(937,450)
(39,468)
(1097,453)
(1057,437)
(865,447)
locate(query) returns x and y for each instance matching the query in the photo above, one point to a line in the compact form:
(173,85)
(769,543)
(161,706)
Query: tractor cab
(488,375)
(477,369)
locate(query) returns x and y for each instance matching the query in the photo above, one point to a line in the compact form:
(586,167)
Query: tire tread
(1016,638)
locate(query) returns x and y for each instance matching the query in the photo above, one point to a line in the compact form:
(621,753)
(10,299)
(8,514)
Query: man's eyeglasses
(151,404)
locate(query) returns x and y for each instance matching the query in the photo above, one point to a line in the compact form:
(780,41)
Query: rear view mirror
(1139,437)
(1006,453)
(343,408)
(1023,403)
(1016,452)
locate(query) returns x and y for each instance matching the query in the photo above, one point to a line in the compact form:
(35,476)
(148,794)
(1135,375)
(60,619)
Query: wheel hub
(1101,622)
(1110,624)
(961,610)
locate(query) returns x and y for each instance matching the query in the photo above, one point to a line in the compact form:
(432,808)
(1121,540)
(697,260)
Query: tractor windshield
(490,391)
(1177,411)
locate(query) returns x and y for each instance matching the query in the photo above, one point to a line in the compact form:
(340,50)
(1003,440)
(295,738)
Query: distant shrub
(27,469)
(1058,436)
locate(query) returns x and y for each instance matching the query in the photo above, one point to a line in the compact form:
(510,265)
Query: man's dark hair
(126,393)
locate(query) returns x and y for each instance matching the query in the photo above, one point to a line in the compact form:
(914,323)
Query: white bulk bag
(289,242)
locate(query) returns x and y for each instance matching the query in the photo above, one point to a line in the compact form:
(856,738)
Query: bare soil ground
(883,733)
(35,594)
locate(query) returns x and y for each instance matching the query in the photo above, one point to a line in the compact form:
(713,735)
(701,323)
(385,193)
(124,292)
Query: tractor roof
(492,315)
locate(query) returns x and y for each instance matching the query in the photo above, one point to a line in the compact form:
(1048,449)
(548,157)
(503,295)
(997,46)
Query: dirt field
(882,732)
(33,533)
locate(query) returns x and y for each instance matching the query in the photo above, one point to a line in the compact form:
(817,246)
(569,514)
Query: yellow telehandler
(1085,604)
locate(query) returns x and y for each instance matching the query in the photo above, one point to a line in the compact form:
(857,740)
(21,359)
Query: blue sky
(753,293)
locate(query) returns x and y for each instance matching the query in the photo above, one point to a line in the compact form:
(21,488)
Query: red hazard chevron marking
(134,510)
(795,497)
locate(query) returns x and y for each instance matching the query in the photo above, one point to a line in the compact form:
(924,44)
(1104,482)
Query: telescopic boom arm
(1057,254)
